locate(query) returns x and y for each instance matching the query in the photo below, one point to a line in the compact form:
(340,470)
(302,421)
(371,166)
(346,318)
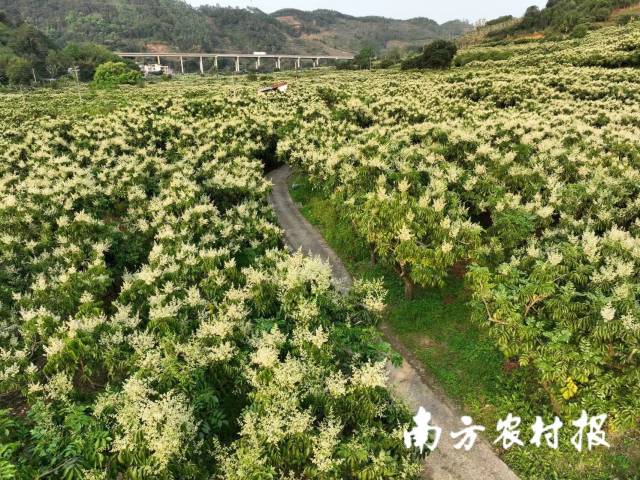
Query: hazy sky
(441,10)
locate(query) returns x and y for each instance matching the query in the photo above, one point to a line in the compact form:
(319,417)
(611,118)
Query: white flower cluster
(150,296)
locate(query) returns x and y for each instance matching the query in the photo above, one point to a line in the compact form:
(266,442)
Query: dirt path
(410,381)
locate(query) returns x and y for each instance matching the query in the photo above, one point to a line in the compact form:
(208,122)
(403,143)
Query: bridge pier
(201,66)
(182,65)
(257,63)
(298,63)
(278,63)
(316,62)
(237,64)
(215,63)
(158,57)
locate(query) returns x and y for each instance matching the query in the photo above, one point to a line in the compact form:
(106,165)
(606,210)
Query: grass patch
(437,329)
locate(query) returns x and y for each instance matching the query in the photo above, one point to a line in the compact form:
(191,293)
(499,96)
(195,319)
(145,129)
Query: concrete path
(299,233)
(410,381)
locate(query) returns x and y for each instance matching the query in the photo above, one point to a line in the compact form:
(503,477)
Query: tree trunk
(408,288)
(374,256)
(405,275)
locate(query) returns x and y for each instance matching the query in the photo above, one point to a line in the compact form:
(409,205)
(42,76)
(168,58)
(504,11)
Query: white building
(156,69)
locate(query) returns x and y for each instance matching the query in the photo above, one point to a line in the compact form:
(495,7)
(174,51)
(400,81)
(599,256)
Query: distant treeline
(499,20)
(28,55)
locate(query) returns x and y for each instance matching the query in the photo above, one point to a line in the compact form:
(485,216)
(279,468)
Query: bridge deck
(229,55)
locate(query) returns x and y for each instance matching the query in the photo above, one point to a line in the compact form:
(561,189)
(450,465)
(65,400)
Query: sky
(441,11)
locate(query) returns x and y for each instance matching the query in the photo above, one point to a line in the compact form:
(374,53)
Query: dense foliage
(438,54)
(23,52)
(87,57)
(112,74)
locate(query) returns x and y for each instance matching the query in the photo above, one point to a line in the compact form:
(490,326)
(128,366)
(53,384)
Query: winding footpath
(409,381)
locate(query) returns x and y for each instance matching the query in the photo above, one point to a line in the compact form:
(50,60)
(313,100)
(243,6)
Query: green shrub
(111,74)
(580,31)
(5,58)
(87,57)
(436,55)
(386,63)
(19,71)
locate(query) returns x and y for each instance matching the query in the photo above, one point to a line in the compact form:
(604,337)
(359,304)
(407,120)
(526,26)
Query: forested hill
(114,23)
(22,49)
(569,17)
(27,54)
(340,31)
(175,25)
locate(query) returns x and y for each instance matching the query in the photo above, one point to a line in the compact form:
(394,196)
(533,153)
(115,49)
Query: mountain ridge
(169,25)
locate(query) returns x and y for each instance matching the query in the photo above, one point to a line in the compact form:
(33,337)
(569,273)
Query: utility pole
(75,70)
